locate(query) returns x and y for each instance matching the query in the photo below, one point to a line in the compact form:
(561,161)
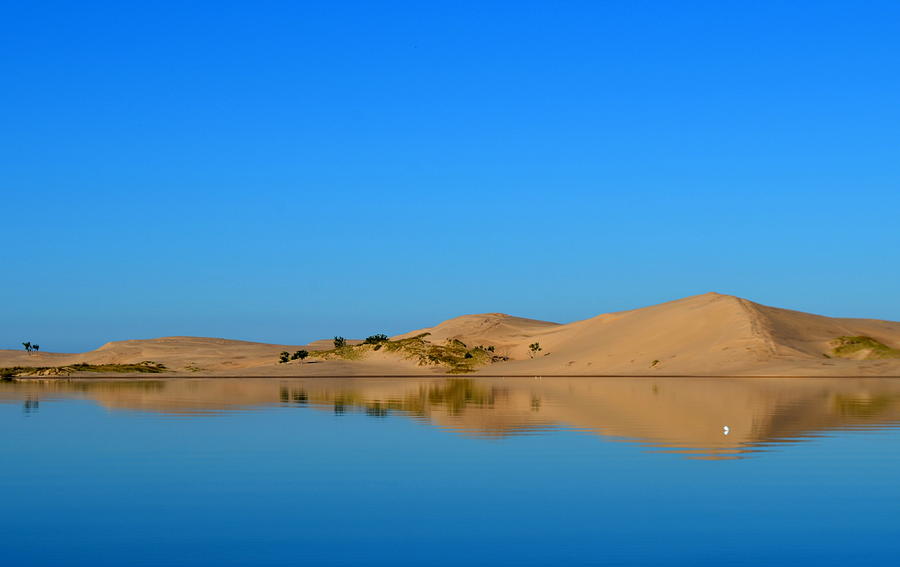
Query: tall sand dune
(703,335)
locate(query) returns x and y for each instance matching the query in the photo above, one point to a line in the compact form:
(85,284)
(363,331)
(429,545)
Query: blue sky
(291,171)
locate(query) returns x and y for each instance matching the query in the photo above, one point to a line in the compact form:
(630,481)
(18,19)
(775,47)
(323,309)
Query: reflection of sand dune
(683,413)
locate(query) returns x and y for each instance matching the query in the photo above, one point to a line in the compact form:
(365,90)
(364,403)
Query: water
(407,471)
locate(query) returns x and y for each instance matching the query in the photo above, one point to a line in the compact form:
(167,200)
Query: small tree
(375,339)
(35,348)
(27,346)
(533,349)
(340,342)
(302,354)
(284,356)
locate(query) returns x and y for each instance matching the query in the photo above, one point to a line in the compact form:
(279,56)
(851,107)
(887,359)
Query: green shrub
(867,346)
(375,339)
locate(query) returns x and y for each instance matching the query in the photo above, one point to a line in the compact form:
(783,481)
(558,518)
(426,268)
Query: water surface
(409,471)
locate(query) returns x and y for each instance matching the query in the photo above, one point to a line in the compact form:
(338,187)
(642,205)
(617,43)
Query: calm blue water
(451,472)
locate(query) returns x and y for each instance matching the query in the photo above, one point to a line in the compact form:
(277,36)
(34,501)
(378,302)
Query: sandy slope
(224,357)
(710,334)
(504,332)
(175,352)
(706,334)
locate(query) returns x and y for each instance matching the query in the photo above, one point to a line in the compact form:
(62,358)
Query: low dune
(704,335)
(499,330)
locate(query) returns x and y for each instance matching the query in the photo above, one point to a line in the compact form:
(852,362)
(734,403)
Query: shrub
(534,348)
(300,355)
(284,356)
(340,342)
(861,346)
(375,339)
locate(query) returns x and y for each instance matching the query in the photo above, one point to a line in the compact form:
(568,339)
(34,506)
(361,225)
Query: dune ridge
(702,335)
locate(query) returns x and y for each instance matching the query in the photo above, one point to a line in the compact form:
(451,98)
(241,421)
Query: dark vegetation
(376,339)
(340,342)
(30,348)
(534,348)
(300,355)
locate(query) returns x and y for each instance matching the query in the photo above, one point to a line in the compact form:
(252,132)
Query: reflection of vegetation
(289,395)
(376,409)
(454,395)
(854,406)
(145,367)
(864,347)
(452,354)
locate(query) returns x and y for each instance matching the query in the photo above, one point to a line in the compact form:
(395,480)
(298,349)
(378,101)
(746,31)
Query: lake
(451,471)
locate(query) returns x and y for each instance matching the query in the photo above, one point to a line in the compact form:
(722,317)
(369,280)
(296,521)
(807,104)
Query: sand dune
(504,332)
(704,335)
(199,355)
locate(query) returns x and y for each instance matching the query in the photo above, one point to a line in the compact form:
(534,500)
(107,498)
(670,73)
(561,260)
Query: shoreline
(173,376)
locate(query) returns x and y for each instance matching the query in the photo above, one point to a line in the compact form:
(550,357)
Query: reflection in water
(699,417)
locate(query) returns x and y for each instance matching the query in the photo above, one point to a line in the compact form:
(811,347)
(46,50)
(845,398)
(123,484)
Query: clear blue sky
(290,171)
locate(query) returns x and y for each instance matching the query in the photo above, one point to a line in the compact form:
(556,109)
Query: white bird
(726,429)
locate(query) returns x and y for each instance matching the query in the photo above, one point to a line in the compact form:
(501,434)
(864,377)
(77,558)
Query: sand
(704,335)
